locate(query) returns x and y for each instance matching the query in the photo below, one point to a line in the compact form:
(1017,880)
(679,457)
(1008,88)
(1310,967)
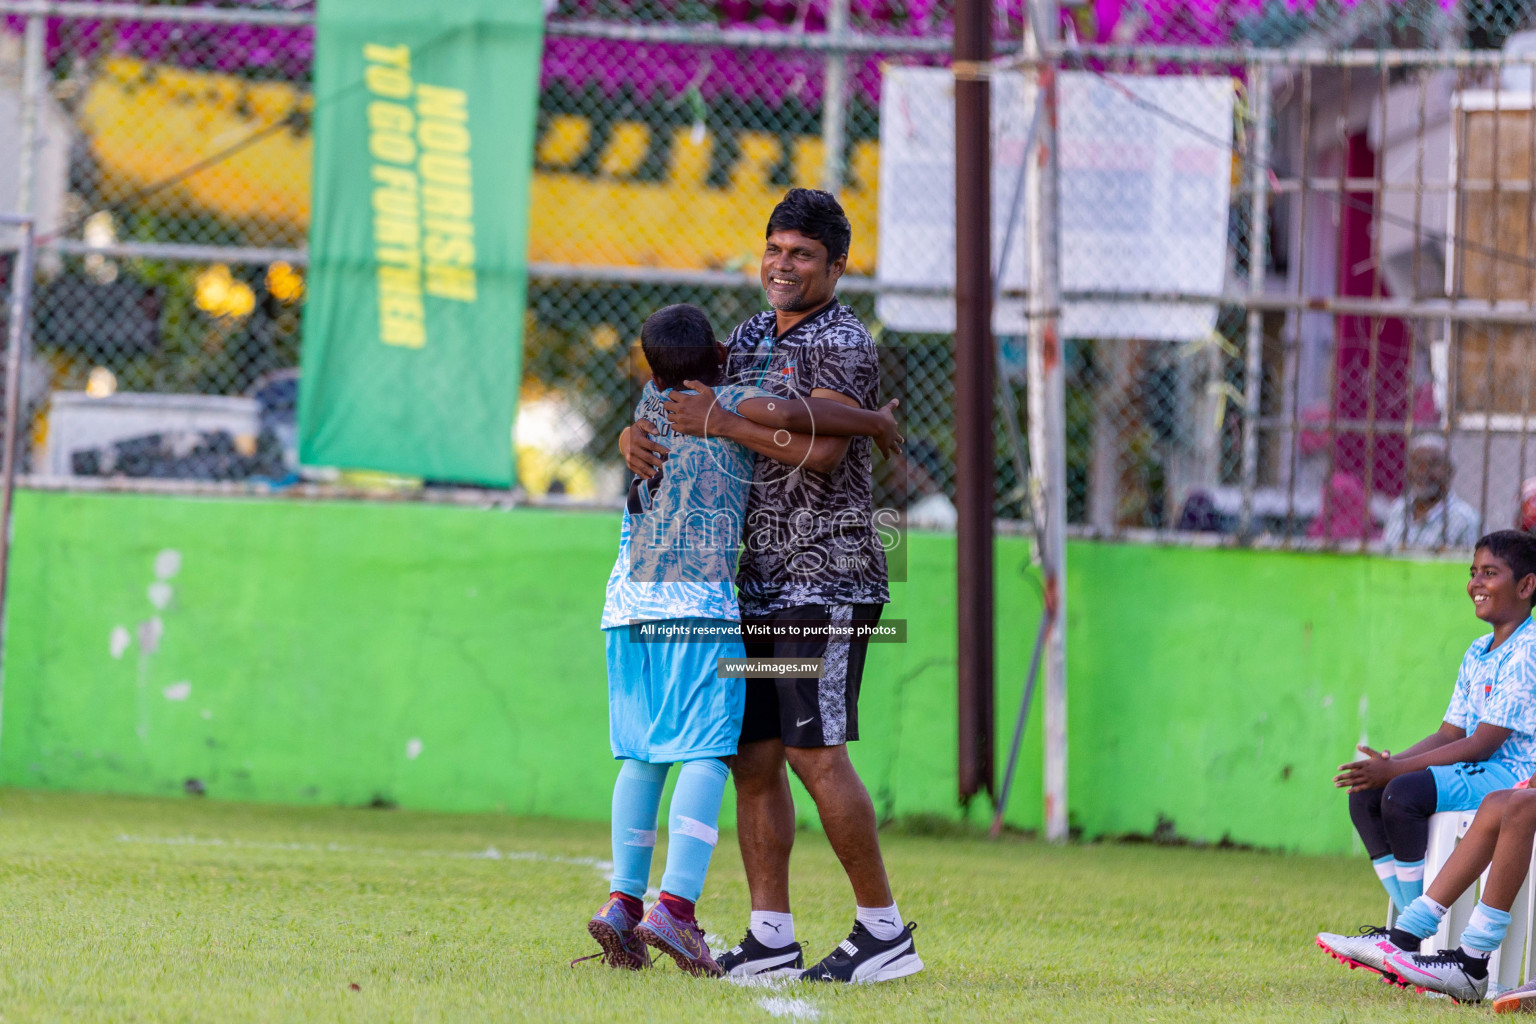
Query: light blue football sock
(1410,881)
(1422,917)
(1485,932)
(636,796)
(693,826)
(1386,872)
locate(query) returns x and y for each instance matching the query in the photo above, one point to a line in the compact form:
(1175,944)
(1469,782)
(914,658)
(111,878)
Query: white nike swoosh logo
(806,722)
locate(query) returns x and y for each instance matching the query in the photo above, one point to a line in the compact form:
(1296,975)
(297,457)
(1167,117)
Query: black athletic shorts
(808,712)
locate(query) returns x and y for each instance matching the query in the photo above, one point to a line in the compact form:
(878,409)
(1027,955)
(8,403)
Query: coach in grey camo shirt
(810,536)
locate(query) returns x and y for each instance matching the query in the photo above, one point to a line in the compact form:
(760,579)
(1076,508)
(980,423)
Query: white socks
(884,923)
(773,929)
(776,930)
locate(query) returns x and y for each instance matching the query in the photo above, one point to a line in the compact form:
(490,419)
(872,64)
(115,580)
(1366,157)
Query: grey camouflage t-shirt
(810,537)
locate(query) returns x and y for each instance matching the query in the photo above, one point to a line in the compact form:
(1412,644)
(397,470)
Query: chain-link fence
(171,187)
(1293,235)
(1300,282)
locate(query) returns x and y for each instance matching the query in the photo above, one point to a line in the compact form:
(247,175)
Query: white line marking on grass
(761,980)
(782,1006)
(489,853)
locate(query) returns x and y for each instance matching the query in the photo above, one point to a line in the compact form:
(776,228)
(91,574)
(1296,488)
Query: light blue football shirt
(682,530)
(1499,687)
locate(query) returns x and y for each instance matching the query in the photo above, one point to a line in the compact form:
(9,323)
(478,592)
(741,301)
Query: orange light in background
(220,294)
(284,283)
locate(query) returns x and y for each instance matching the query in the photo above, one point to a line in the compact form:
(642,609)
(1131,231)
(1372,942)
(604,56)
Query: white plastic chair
(1513,963)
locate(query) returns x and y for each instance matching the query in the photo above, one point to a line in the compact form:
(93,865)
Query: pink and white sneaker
(1369,949)
(1448,971)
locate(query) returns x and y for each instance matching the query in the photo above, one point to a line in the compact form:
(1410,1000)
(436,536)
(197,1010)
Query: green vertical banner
(424,127)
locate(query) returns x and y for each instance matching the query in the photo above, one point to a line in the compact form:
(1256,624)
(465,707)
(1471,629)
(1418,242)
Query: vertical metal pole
(1047,410)
(31,95)
(21,302)
(834,100)
(1258,238)
(20,312)
(973,392)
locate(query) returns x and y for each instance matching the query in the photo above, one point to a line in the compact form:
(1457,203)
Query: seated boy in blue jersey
(1487,741)
(1494,691)
(669,618)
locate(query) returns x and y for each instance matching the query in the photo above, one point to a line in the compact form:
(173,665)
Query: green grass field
(119,909)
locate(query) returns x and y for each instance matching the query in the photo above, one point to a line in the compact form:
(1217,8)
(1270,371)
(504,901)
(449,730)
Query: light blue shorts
(1461,787)
(665,702)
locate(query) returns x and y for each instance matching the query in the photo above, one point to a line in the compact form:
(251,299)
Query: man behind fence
(1428,514)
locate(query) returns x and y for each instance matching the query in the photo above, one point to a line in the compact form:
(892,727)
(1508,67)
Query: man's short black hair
(679,344)
(815,214)
(1515,548)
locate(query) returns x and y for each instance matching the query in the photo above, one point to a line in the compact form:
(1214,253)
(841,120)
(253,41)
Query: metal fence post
(17,333)
(974,368)
(1258,232)
(21,296)
(834,99)
(31,92)
(1047,412)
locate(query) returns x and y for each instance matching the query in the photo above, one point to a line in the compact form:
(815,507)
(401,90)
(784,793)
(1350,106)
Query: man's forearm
(819,453)
(823,416)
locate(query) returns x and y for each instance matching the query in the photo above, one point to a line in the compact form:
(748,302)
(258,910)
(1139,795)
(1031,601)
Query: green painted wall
(303,646)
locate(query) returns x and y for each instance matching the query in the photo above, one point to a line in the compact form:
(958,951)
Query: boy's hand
(1372,773)
(889,439)
(689,414)
(642,455)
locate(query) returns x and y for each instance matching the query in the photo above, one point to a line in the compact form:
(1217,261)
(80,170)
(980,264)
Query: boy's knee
(1367,800)
(1410,796)
(1495,803)
(1519,807)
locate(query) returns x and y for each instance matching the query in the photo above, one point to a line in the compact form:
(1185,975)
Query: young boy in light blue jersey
(1492,713)
(1486,743)
(669,619)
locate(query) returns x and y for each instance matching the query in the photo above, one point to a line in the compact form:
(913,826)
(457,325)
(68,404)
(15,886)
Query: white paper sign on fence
(1145,187)
(1145,184)
(917,195)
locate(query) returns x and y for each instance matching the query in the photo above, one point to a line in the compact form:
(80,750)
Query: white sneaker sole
(898,968)
(774,978)
(744,976)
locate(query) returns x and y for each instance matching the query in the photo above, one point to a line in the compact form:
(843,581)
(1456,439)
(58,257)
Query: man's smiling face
(796,273)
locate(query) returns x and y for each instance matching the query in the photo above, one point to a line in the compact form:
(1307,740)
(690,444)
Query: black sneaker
(751,957)
(863,958)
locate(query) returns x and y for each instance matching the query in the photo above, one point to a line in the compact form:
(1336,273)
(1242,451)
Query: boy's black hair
(1515,548)
(679,344)
(815,214)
